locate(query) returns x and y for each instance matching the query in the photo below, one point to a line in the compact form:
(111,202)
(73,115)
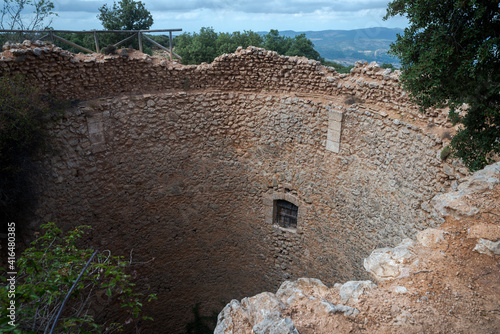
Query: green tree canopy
(126,15)
(450,57)
(195,48)
(273,41)
(302,46)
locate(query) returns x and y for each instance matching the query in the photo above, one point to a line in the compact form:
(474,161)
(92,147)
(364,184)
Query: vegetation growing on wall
(450,56)
(24,116)
(46,273)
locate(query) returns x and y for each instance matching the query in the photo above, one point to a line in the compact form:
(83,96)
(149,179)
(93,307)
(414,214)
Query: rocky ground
(446,281)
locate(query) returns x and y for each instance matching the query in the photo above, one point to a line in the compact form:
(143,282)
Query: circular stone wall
(184,184)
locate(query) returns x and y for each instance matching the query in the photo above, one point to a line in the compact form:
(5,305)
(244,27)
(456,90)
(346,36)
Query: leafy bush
(24,118)
(46,273)
(445,152)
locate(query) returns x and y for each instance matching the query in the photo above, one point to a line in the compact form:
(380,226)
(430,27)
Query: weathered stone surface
(350,291)
(487,247)
(275,324)
(389,263)
(289,291)
(456,203)
(431,237)
(330,308)
(232,319)
(485,231)
(259,307)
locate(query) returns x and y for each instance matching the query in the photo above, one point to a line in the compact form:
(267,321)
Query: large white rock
(389,263)
(239,317)
(230,319)
(456,202)
(291,291)
(350,291)
(487,247)
(274,323)
(261,305)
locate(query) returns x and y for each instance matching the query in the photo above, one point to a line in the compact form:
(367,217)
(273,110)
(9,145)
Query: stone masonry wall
(183,180)
(71,76)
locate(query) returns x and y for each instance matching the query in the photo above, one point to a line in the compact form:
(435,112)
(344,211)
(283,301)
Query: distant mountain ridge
(348,46)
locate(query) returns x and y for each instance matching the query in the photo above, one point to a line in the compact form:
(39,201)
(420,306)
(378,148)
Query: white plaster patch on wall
(334,130)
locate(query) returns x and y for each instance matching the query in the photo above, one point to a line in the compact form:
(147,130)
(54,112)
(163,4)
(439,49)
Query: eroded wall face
(183,183)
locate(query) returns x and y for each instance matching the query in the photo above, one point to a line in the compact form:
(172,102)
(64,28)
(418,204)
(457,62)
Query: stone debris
(431,237)
(350,291)
(484,231)
(268,313)
(389,263)
(456,203)
(274,323)
(400,289)
(487,247)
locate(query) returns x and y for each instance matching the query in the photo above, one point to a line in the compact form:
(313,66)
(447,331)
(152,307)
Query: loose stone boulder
(389,263)
(487,247)
(350,291)
(274,323)
(485,231)
(290,291)
(431,237)
(457,203)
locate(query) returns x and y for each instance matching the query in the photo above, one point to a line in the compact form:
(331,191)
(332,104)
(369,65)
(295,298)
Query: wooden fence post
(170,44)
(140,40)
(96,42)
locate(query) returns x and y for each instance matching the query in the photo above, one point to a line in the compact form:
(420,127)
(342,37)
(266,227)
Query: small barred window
(285,214)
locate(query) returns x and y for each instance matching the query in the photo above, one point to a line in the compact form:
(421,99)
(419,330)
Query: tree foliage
(47,271)
(450,57)
(126,15)
(14,15)
(205,46)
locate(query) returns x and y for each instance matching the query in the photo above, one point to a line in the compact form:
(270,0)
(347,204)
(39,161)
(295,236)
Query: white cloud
(238,15)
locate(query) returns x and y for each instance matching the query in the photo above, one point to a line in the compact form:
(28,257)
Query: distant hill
(348,46)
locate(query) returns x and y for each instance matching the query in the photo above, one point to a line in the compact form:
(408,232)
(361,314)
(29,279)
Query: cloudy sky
(239,15)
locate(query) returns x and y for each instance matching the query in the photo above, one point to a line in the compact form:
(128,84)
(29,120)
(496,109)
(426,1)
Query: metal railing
(140,34)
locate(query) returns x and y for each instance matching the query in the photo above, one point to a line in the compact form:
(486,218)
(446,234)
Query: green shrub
(45,275)
(445,153)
